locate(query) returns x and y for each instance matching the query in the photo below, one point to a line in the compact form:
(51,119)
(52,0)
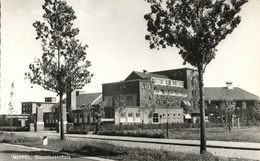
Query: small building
(18,120)
(87,108)
(45,117)
(222,100)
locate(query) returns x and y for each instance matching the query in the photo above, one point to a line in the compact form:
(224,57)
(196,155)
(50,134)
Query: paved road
(9,152)
(219,148)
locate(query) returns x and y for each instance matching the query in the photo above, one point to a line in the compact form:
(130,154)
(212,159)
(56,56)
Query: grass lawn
(106,150)
(244,134)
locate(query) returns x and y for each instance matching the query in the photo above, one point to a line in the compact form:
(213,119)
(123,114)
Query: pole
(203,143)
(11,109)
(167,125)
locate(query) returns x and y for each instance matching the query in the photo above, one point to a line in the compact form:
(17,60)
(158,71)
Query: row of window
(26,108)
(79,118)
(149,86)
(130,117)
(169,92)
(168,82)
(50,121)
(156,116)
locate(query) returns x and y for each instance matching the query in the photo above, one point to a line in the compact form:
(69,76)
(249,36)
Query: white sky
(114,31)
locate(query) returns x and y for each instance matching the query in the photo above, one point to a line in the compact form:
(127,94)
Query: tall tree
(195,27)
(63,62)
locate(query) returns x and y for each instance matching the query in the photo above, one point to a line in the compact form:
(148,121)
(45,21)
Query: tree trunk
(61,120)
(202,112)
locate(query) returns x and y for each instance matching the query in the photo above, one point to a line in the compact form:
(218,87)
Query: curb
(64,153)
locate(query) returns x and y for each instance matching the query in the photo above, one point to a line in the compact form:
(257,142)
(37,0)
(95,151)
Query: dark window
(130,114)
(155,117)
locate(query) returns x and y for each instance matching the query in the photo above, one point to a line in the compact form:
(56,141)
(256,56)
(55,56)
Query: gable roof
(88,99)
(142,75)
(218,93)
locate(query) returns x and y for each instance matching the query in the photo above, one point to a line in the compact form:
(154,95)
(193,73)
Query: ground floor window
(122,117)
(155,117)
(130,117)
(137,117)
(75,118)
(80,118)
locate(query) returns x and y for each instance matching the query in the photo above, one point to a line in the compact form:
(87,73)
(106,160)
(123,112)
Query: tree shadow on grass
(99,151)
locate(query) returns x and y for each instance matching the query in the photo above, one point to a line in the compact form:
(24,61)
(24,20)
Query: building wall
(112,92)
(30,107)
(187,75)
(84,117)
(216,110)
(73,102)
(157,115)
(26,107)
(146,93)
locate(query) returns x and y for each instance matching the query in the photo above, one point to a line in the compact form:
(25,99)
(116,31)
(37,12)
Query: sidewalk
(210,144)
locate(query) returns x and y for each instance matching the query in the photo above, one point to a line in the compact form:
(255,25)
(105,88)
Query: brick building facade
(154,97)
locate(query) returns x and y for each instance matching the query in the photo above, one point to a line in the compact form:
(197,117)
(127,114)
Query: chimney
(229,85)
(145,71)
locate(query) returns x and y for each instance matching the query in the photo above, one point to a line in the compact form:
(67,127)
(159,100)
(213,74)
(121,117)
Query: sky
(114,31)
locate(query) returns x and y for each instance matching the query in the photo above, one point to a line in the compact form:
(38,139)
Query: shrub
(148,134)
(8,128)
(81,128)
(77,131)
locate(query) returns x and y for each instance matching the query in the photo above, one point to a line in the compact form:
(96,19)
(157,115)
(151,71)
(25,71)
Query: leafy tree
(195,27)
(120,105)
(63,62)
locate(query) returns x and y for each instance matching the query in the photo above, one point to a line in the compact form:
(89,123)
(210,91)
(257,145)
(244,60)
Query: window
(179,115)
(137,117)
(122,117)
(174,83)
(155,117)
(80,118)
(169,82)
(130,117)
(143,85)
(173,115)
(244,117)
